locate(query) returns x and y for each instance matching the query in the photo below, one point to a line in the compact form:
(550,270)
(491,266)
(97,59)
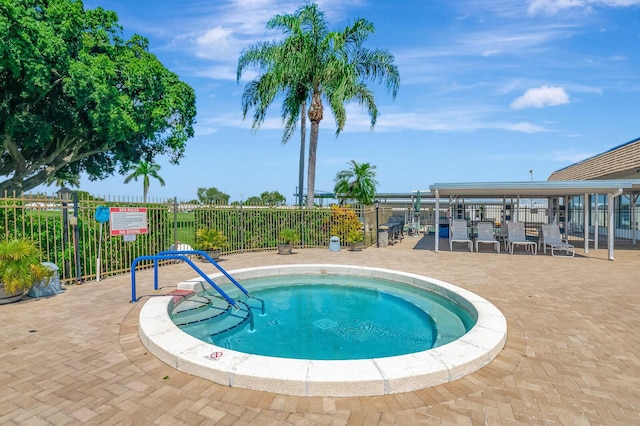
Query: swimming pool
(306,377)
(326,317)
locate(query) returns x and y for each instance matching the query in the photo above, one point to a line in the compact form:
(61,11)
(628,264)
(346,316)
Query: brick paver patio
(572,355)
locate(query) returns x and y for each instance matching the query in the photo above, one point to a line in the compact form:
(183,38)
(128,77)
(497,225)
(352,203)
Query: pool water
(331,317)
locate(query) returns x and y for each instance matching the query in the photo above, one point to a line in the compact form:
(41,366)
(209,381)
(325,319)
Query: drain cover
(325,323)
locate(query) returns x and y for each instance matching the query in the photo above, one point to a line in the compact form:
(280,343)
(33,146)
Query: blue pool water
(330,317)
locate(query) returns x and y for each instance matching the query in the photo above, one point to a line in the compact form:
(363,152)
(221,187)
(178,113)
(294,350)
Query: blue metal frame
(180,255)
(210,259)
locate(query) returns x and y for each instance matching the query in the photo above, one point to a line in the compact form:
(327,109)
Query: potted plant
(355,239)
(211,241)
(286,238)
(20,268)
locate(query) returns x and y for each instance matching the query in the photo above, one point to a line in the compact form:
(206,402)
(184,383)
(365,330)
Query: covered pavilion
(544,189)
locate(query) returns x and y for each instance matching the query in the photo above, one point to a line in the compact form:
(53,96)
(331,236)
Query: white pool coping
(378,376)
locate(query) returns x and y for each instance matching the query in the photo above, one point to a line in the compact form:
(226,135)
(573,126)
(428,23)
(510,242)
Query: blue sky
(490,89)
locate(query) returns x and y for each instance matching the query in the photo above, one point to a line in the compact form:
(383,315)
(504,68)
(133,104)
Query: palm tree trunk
(145,188)
(315,117)
(303,131)
(311,176)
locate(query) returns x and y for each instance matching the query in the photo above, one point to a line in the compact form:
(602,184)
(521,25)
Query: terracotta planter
(285,248)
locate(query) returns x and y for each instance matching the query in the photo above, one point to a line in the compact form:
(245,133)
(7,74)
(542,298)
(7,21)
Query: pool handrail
(210,259)
(165,256)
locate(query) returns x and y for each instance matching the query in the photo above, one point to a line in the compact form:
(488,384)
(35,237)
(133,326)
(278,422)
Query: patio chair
(516,236)
(551,237)
(502,234)
(459,234)
(485,235)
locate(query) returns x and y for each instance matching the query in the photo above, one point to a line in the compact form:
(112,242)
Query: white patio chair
(485,235)
(459,234)
(517,237)
(502,235)
(551,237)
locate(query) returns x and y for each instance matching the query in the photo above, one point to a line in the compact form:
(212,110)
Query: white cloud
(541,97)
(216,72)
(554,6)
(458,120)
(215,43)
(526,127)
(238,23)
(452,120)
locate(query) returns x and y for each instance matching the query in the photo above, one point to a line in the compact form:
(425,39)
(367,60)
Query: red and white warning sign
(128,220)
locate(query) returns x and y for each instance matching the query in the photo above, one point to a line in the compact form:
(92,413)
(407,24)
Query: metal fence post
(76,238)
(175,223)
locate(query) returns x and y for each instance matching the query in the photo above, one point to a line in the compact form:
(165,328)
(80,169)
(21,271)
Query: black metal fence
(64,226)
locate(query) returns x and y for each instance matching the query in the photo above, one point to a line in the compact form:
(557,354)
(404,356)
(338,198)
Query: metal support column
(437,220)
(596,231)
(611,227)
(633,199)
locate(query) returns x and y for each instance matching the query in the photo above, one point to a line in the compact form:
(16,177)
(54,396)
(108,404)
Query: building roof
(533,189)
(620,162)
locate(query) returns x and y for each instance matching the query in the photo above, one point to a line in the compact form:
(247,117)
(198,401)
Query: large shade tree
(312,64)
(78,98)
(356,183)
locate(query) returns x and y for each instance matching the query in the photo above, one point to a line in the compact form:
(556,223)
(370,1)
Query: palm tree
(145,170)
(312,64)
(276,61)
(71,180)
(357,183)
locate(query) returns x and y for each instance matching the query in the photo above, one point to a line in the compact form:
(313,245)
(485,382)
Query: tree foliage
(76,97)
(276,60)
(212,196)
(272,198)
(145,170)
(251,201)
(356,183)
(313,63)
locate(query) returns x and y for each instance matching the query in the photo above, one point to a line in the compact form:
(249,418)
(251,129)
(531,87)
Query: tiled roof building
(620,162)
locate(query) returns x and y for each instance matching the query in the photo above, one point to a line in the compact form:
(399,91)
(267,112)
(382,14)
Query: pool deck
(572,355)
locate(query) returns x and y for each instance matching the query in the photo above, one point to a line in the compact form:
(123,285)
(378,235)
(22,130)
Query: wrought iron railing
(69,235)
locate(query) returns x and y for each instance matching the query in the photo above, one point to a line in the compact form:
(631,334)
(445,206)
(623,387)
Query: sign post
(102,216)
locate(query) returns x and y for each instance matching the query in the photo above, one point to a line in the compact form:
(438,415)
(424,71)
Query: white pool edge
(377,376)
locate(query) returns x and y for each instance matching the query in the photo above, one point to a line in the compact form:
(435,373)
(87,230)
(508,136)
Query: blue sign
(102,214)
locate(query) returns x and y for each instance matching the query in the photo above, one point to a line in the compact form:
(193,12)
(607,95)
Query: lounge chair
(485,235)
(459,234)
(516,237)
(551,237)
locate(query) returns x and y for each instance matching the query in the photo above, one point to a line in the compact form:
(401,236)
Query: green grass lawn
(186,232)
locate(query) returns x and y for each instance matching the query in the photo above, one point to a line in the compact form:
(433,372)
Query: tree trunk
(311,176)
(303,131)
(315,116)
